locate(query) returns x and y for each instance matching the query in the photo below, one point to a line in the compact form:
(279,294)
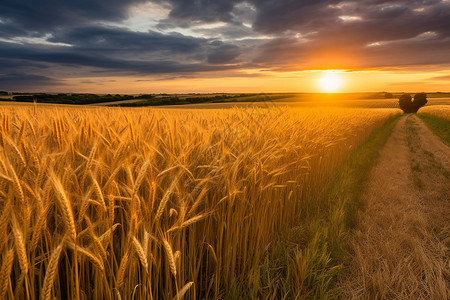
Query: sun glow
(330,82)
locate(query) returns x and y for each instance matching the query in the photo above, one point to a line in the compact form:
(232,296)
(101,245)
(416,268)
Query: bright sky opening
(330,82)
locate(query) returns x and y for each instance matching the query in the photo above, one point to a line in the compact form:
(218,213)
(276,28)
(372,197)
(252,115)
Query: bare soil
(400,248)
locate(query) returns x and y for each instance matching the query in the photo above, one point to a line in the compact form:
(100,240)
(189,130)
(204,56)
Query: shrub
(408,106)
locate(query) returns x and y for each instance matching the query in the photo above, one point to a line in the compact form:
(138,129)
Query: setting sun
(330,82)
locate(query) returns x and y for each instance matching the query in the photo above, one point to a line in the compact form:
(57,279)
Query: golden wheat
(51,273)
(66,208)
(218,184)
(5,271)
(140,252)
(19,244)
(442,111)
(170,257)
(122,268)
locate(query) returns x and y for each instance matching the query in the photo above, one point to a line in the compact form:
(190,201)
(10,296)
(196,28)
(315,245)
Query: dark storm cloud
(228,32)
(279,35)
(114,38)
(20,55)
(186,13)
(223,54)
(46,15)
(122,52)
(15,81)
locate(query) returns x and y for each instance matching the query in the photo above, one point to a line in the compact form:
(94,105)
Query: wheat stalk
(105,238)
(170,257)
(122,268)
(4,220)
(140,177)
(17,152)
(164,200)
(51,272)
(41,173)
(97,262)
(98,191)
(18,291)
(17,186)
(183,290)
(140,252)
(37,229)
(189,222)
(96,243)
(65,207)
(5,272)
(19,244)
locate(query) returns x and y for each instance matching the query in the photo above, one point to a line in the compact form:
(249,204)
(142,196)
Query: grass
(435,164)
(411,134)
(411,140)
(438,124)
(100,203)
(438,120)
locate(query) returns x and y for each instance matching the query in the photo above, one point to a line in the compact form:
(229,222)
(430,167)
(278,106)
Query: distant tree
(405,103)
(408,106)
(420,100)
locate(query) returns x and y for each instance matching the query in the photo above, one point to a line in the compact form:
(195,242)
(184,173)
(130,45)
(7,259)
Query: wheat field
(115,203)
(441,111)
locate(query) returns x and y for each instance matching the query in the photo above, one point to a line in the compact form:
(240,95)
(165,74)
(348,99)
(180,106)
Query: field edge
(305,261)
(437,125)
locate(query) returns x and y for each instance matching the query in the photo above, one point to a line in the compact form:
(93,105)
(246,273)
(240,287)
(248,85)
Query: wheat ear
(5,272)
(96,243)
(98,191)
(170,257)
(50,274)
(17,152)
(4,220)
(88,254)
(163,203)
(20,244)
(18,191)
(140,177)
(140,252)
(37,229)
(122,268)
(183,291)
(106,237)
(66,209)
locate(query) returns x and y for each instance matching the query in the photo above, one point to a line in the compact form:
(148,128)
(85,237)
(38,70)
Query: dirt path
(400,249)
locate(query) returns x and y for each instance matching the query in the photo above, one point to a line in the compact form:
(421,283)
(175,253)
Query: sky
(190,46)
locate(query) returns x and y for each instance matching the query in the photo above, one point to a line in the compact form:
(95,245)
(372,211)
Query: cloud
(325,34)
(186,13)
(383,35)
(101,38)
(46,15)
(90,37)
(441,78)
(114,49)
(223,54)
(14,81)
